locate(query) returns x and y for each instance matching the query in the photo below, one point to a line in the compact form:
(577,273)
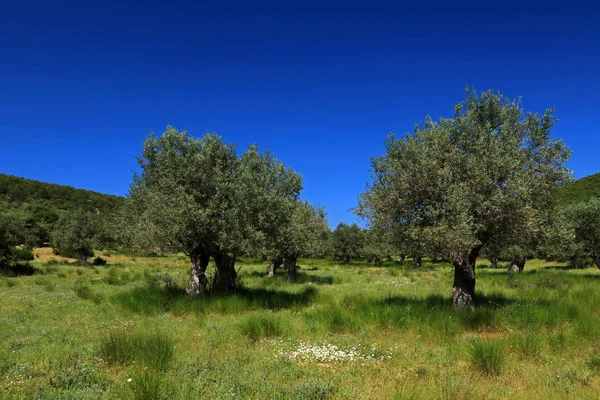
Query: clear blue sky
(82,83)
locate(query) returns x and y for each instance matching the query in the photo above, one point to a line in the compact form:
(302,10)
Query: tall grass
(259,326)
(487,356)
(154,350)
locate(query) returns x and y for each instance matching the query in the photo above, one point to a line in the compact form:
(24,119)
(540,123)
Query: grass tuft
(259,326)
(155,351)
(487,356)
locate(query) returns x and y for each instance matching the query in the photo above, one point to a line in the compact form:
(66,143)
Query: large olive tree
(199,197)
(458,183)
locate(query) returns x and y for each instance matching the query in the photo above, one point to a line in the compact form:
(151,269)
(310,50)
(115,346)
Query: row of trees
(200,197)
(480,183)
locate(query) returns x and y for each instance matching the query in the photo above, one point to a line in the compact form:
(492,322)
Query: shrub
(487,356)
(22,253)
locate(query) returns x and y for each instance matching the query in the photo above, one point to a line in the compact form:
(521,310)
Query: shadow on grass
(18,269)
(436,301)
(301,277)
(154,300)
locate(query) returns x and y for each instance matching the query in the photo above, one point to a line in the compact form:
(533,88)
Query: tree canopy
(457,183)
(347,241)
(74,234)
(198,196)
(584,218)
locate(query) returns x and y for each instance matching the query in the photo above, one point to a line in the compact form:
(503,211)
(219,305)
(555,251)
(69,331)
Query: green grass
(257,326)
(153,350)
(128,331)
(487,356)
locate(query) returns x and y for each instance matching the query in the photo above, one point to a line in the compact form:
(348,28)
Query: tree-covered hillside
(580,190)
(31,209)
(17,191)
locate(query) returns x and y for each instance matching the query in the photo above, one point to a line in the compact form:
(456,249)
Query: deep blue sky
(82,83)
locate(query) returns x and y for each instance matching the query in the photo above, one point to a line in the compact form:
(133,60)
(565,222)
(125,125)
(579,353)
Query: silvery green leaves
(454,185)
(200,197)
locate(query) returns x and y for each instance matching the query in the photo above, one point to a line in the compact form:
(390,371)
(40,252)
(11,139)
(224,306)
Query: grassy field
(125,331)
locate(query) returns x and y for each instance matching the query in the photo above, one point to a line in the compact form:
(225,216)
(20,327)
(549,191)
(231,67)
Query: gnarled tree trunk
(518,264)
(463,289)
(275,263)
(226,279)
(198,281)
(292,269)
(418,261)
(494,261)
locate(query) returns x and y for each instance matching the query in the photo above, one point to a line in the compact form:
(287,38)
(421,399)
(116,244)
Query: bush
(487,356)
(24,253)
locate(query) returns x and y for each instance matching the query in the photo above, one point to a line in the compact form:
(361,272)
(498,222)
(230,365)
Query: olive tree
(304,234)
(11,235)
(347,241)
(378,246)
(73,235)
(457,183)
(199,197)
(584,218)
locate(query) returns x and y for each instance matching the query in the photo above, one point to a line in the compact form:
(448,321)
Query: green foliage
(488,175)
(38,206)
(378,246)
(73,236)
(24,253)
(582,190)
(218,202)
(489,172)
(305,234)
(10,236)
(44,198)
(584,219)
(347,241)
(487,356)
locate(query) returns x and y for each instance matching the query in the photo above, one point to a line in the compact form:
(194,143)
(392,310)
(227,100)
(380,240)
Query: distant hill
(18,191)
(579,190)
